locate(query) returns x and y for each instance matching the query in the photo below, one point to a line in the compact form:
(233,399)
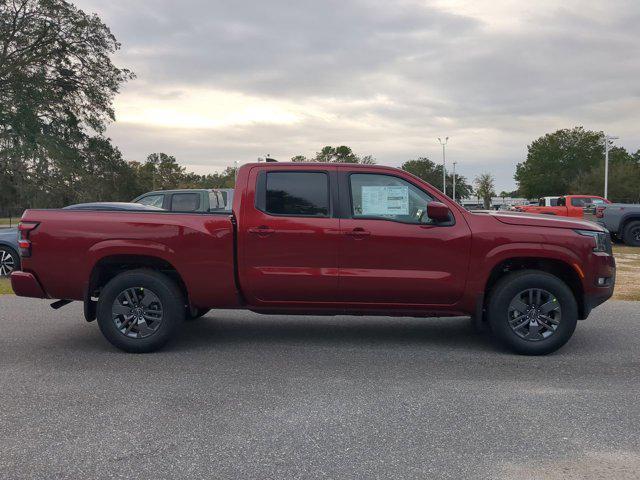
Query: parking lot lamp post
(454,181)
(607,139)
(444,170)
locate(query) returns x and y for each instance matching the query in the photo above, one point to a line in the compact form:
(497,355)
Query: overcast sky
(220,81)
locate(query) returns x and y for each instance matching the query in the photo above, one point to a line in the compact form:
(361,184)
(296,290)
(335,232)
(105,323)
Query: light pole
(607,139)
(444,170)
(454,180)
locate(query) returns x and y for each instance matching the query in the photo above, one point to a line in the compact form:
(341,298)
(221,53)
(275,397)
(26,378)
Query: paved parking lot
(248,396)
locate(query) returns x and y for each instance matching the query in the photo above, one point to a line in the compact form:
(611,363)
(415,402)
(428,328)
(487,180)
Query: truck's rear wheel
(140,310)
(632,234)
(532,312)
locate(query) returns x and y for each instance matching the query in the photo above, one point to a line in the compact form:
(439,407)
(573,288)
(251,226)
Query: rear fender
(131,247)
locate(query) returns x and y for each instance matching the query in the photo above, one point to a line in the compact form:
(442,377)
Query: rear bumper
(24,284)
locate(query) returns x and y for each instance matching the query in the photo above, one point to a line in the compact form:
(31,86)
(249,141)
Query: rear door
(289,236)
(391,251)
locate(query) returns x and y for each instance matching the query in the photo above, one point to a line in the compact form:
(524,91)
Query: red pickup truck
(320,239)
(567,206)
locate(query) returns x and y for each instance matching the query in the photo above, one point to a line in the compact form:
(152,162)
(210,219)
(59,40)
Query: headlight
(601,239)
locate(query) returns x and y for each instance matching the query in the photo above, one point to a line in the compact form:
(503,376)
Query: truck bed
(200,247)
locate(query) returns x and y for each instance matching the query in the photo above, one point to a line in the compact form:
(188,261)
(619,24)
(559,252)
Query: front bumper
(25,284)
(603,265)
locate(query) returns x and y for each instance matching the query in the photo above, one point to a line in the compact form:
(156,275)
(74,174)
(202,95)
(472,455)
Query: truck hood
(552,221)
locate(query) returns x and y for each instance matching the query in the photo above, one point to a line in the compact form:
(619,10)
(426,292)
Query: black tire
(508,288)
(171,303)
(195,313)
(9,261)
(631,235)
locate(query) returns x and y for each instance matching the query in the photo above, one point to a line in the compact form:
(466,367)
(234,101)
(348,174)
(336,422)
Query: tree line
(571,161)
(57,85)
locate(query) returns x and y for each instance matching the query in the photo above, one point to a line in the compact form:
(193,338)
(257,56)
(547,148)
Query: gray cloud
(406,71)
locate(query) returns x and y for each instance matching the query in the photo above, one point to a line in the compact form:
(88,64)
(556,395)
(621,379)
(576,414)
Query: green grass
(5,286)
(6,222)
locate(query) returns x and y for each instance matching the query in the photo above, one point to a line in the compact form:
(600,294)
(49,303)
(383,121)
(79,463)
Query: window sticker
(385,200)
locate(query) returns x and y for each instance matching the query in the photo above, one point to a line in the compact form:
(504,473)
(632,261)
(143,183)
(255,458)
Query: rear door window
(303,194)
(185,202)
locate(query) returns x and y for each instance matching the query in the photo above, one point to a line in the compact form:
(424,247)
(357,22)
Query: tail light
(24,229)
(600,211)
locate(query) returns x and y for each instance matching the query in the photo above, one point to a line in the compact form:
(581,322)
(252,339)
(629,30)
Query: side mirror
(438,212)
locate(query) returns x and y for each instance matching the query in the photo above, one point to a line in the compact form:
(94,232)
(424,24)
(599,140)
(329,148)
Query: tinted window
(580,202)
(554,202)
(388,197)
(297,193)
(185,202)
(153,200)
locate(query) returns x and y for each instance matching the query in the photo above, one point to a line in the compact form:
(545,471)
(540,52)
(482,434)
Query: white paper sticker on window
(385,200)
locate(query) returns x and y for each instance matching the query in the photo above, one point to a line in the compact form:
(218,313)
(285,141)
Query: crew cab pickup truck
(566,206)
(320,239)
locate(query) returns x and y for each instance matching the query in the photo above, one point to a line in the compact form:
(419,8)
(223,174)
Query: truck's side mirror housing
(438,212)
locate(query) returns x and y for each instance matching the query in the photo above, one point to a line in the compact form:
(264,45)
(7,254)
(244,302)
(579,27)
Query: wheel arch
(559,268)
(626,220)
(109,266)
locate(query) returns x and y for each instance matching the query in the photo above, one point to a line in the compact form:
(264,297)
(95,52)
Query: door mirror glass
(438,212)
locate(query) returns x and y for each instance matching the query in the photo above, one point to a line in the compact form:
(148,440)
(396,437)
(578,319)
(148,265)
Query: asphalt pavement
(246,396)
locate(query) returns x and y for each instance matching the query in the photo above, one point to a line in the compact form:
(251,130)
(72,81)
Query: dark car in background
(112,206)
(189,200)
(9,258)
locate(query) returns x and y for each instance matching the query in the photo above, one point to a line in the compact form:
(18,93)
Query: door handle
(261,230)
(358,233)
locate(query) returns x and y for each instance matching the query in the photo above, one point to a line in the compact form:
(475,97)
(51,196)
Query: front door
(391,252)
(289,236)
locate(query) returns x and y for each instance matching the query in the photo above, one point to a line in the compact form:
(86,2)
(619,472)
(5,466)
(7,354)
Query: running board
(60,304)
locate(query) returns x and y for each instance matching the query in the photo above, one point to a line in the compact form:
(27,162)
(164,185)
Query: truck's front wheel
(532,312)
(140,310)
